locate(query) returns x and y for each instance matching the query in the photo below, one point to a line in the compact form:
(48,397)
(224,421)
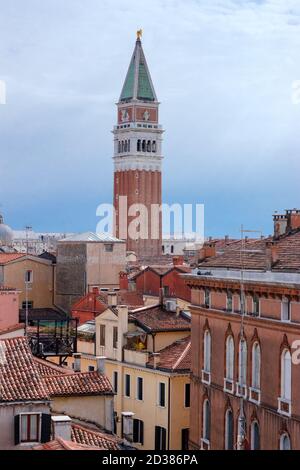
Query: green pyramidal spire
(138,84)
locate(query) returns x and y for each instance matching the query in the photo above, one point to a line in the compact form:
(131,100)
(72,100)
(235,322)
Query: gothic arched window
(207,351)
(138,147)
(230,358)
(243,362)
(229,430)
(144,146)
(125,146)
(119,147)
(255,437)
(122,146)
(128,147)
(206,420)
(286,375)
(285,442)
(149,146)
(154,146)
(256,364)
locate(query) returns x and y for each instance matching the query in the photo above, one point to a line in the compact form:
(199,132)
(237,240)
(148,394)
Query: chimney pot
(61,426)
(112,299)
(77,362)
(101,364)
(156,360)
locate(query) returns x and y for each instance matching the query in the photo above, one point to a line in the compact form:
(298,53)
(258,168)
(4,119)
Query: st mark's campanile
(138,159)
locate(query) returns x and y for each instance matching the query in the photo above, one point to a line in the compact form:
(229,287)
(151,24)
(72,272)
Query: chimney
(61,427)
(280,225)
(123,280)
(271,254)
(123,324)
(101,364)
(112,299)
(161,296)
(156,360)
(77,362)
(177,260)
(210,250)
(293,219)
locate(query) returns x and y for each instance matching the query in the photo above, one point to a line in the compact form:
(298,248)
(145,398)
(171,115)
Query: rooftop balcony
(137,357)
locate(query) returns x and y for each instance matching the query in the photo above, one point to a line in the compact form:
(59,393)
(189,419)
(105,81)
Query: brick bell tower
(138,159)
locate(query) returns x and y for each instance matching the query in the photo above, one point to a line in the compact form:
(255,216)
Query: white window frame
(241,386)
(40,427)
(285,387)
(282,437)
(285,301)
(31,276)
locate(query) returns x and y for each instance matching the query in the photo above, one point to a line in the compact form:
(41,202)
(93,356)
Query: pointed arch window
(122,146)
(119,147)
(243,362)
(285,442)
(284,401)
(154,146)
(149,146)
(206,421)
(138,146)
(229,430)
(255,436)
(143,146)
(125,146)
(229,358)
(207,351)
(128,147)
(256,364)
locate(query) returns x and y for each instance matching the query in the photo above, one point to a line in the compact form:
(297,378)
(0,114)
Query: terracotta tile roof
(76,384)
(8,257)
(61,444)
(90,303)
(20,379)
(288,253)
(47,368)
(85,436)
(256,255)
(156,318)
(125,297)
(176,357)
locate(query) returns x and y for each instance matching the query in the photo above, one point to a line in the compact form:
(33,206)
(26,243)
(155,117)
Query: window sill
(254,395)
(228,386)
(241,390)
(284,407)
(205,444)
(205,377)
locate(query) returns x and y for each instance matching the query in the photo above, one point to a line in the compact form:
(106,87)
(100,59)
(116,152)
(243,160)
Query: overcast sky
(222,69)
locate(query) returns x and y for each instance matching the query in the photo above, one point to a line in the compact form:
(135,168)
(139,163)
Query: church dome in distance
(6,233)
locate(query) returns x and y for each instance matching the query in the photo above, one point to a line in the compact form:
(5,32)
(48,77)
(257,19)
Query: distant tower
(138,152)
